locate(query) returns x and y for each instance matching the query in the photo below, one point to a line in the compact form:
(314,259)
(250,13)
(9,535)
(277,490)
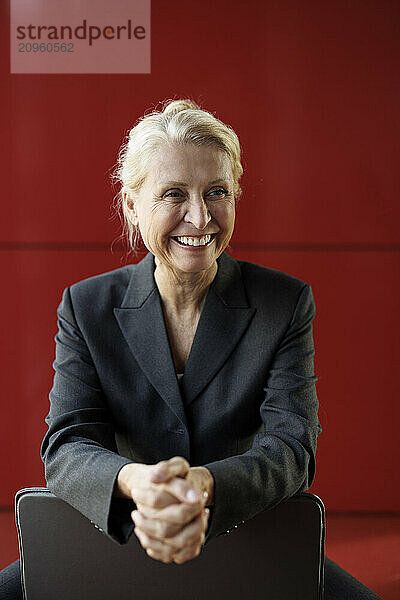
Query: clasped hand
(171,517)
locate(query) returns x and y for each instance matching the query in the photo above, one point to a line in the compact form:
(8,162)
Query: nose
(197,212)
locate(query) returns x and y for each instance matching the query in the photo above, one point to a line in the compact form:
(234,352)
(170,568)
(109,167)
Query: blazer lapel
(225,317)
(141,321)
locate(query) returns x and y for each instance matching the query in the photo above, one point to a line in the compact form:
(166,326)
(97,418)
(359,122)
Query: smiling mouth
(195,241)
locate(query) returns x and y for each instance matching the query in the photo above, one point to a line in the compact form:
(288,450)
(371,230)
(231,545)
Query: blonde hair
(179,122)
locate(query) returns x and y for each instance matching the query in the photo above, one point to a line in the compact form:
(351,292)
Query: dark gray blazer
(246,408)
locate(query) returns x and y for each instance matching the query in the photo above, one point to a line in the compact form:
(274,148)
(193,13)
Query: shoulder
(275,293)
(102,288)
(90,302)
(280,298)
(271,281)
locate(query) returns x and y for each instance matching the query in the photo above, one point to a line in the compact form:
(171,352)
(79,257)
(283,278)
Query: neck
(182,291)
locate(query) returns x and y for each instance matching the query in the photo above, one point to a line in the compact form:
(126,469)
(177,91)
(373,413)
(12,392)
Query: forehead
(189,164)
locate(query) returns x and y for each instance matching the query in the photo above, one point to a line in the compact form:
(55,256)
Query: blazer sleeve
(79,450)
(281,460)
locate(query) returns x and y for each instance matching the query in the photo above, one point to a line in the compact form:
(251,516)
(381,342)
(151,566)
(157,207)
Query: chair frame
(217,557)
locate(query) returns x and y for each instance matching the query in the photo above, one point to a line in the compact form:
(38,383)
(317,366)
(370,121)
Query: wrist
(125,480)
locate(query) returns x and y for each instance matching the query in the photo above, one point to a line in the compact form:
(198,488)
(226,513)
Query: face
(185,209)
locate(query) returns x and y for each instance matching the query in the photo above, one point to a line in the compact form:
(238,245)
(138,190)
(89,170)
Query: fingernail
(207,511)
(192,496)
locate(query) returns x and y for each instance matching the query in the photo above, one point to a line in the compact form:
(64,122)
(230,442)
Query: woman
(184,394)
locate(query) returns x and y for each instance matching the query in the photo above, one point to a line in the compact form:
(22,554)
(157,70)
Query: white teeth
(195,241)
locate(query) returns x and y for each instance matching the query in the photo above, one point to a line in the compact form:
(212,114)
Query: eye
(218,192)
(173,194)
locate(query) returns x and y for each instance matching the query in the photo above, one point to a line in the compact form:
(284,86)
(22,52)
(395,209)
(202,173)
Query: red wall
(313,91)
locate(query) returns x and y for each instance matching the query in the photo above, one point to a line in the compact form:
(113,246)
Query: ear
(130,206)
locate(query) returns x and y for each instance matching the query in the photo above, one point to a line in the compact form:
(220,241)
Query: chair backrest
(279,555)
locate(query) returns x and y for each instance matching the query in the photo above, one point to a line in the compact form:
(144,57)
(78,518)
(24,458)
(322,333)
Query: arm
(79,450)
(281,461)
(82,463)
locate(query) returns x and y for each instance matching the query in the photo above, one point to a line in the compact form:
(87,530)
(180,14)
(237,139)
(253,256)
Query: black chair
(277,555)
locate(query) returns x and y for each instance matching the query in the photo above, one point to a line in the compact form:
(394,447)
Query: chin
(194,265)
(194,268)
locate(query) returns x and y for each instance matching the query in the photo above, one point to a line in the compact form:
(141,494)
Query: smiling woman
(166,368)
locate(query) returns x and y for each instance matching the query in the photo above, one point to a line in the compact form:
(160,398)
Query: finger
(154,497)
(174,513)
(177,466)
(154,527)
(187,545)
(184,491)
(174,535)
(206,518)
(155,548)
(189,536)
(161,495)
(186,554)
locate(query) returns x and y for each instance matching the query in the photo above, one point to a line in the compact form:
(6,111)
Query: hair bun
(172,107)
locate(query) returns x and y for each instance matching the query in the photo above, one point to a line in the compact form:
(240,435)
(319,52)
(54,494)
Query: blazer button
(180,431)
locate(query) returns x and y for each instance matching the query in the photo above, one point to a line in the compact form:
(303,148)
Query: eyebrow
(185,184)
